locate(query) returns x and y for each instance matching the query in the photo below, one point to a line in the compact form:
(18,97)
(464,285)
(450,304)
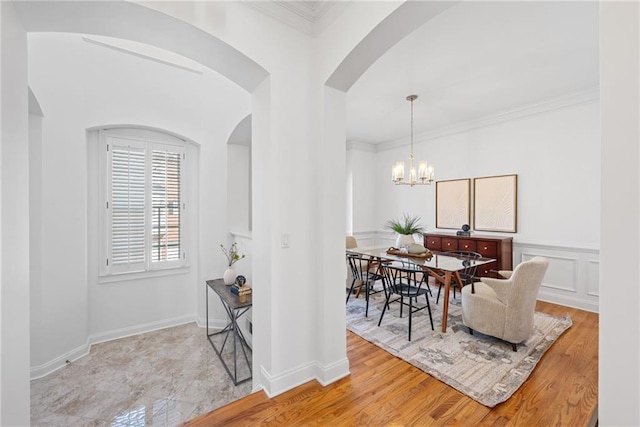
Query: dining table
(443,267)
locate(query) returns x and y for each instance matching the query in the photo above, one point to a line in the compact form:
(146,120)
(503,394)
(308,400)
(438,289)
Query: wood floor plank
(384,390)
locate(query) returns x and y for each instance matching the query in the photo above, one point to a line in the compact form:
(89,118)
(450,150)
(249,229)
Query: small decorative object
(241,289)
(406,227)
(232,255)
(229,276)
(465,230)
(416,248)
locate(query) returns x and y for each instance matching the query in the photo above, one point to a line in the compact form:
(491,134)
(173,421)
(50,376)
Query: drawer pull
(485,248)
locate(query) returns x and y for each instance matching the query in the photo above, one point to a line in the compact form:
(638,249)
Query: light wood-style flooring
(383,390)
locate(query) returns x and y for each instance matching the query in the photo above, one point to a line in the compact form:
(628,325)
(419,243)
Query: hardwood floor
(383,390)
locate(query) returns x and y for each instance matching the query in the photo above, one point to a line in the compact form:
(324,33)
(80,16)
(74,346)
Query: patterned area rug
(482,367)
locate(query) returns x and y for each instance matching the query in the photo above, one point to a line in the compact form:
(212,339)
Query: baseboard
(213,323)
(139,329)
(333,372)
(275,385)
(568,301)
(325,375)
(59,362)
(75,354)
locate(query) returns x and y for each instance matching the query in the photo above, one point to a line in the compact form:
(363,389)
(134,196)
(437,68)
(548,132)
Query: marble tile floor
(159,378)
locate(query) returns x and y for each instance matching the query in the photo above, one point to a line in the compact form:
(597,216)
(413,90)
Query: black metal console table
(235,309)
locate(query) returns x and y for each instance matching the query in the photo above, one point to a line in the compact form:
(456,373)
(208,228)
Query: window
(144,206)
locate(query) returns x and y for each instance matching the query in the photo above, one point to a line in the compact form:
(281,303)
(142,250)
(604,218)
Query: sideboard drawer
(449,244)
(485,270)
(433,243)
(487,249)
(466,245)
(498,248)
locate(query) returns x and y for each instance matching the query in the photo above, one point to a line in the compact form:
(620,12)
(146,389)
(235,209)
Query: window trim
(150,140)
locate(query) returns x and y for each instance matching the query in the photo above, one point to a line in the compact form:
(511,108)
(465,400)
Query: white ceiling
(477,60)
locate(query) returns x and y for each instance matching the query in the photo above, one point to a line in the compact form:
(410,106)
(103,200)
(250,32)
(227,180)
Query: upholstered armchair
(504,308)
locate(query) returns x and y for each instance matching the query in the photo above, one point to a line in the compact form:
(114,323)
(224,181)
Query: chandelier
(424,175)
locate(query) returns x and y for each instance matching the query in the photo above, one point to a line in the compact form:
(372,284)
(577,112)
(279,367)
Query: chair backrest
(468,274)
(391,276)
(351,242)
(396,277)
(521,301)
(362,267)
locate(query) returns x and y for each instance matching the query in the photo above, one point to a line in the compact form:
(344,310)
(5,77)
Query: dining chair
(403,281)
(467,276)
(366,270)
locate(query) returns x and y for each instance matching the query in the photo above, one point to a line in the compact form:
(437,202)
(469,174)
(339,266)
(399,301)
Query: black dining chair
(404,282)
(366,270)
(467,276)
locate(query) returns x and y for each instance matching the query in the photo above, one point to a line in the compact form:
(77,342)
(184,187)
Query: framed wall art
(496,203)
(453,203)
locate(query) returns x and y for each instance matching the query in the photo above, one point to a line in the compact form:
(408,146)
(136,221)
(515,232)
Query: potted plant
(406,227)
(232,256)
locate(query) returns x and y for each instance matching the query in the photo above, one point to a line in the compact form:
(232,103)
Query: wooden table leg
(445,303)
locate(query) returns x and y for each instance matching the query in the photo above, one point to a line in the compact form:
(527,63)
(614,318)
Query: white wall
(238,194)
(556,155)
(94,86)
(618,367)
(14,221)
(365,200)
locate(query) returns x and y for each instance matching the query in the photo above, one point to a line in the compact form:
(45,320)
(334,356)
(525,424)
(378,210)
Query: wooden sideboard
(500,248)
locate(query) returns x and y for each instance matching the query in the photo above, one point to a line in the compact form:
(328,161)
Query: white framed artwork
(453,200)
(495,205)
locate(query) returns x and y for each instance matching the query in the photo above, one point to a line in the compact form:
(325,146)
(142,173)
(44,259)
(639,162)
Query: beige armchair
(504,308)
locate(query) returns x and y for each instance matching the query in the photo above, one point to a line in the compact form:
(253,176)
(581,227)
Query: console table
(499,248)
(240,357)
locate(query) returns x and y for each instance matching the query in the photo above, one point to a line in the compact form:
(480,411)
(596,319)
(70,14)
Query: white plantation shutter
(165,205)
(144,205)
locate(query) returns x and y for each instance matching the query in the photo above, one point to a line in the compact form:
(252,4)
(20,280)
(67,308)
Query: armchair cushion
(505,273)
(501,287)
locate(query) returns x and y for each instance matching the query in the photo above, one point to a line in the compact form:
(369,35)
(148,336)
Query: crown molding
(361,146)
(308,17)
(590,95)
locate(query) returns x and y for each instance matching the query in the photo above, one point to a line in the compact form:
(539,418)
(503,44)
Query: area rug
(482,367)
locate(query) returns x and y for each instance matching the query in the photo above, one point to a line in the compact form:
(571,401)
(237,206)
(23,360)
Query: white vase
(229,276)
(404,240)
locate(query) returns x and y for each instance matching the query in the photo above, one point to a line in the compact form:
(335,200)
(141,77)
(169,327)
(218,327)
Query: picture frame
(495,205)
(453,203)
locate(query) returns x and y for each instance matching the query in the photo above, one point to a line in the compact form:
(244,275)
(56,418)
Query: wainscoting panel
(572,278)
(562,273)
(593,275)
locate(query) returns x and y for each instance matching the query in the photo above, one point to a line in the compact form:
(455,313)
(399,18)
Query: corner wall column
(619,370)
(14,221)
